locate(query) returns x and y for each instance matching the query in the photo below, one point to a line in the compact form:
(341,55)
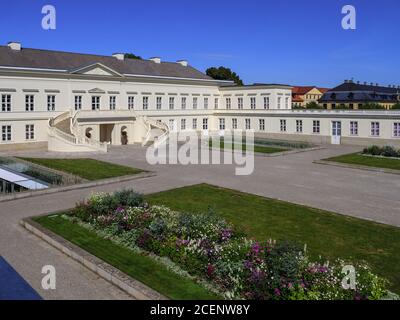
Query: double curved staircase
(64,135)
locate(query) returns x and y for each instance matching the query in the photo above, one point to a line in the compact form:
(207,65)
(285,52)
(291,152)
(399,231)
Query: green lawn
(138,266)
(86,168)
(356,158)
(243,147)
(325,233)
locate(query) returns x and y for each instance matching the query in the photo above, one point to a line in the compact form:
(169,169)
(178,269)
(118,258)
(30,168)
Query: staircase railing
(157,124)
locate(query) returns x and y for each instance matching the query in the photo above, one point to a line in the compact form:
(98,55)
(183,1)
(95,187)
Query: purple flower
(277,292)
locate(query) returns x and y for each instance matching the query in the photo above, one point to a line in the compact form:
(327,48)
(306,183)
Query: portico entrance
(106,133)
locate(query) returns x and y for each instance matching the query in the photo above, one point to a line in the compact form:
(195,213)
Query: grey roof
(351,86)
(45,59)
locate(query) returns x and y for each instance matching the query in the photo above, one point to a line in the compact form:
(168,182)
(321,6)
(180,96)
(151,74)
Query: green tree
(396,106)
(223,73)
(313,105)
(371,106)
(132,56)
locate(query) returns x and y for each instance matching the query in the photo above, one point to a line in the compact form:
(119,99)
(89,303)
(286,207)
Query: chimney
(372,83)
(183,62)
(376,84)
(119,56)
(156,59)
(346,81)
(14,46)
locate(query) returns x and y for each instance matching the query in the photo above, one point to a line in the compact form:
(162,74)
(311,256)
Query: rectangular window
(299,126)
(29,132)
(51,103)
(266,103)
(279,102)
(29,103)
(195,103)
(113,102)
(375,130)
(262,124)
(194,124)
(247,124)
(183,124)
(158,103)
(5,102)
(95,103)
(286,103)
(172,124)
(78,102)
(6,133)
(131,102)
(145,103)
(205,103)
(171,103)
(253,103)
(240,103)
(216,103)
(396,129)
(183,103)
(283,125)
(228,103)
(234,124)
(316,126)
(205,123)
(353,128)
(221,123)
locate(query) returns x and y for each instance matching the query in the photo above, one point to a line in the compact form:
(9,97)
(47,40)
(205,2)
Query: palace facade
(73,102)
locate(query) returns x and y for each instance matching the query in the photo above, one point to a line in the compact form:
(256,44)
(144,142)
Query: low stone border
(275,154)
(356,166)
(28,194)
(133,287)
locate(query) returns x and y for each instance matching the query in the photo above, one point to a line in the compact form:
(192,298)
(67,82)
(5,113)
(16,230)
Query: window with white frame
(183,124)
(6,133)
(286,103)
(113,102)
(171,103)
(145,103)
(29,102)
(205,123)
(172,124)
(183,103)
(262,124)
(228,103)
(6,102)
(195,103)
(234,124)
(95,103)
(266,103)
(194,124)
(51,103)
(247,123)
(131,102)
(375,129)
(283,125)
(29,132)
(216,103)
(299,126)
(158,103)
(279,102)
(240,103)
(78,102)
(205,103)
(316,126)
(252,103)
(353,128)
(221,123)
(396,129)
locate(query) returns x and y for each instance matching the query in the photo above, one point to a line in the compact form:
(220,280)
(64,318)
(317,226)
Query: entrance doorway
(336,132)
(106,131)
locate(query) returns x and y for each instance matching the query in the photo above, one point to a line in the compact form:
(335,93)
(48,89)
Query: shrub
(386,151)
(129,198)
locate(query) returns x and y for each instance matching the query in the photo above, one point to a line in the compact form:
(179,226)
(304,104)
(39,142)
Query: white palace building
(82,102)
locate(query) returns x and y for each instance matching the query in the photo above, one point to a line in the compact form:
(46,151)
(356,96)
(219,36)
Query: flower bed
(217,255)
(386,151)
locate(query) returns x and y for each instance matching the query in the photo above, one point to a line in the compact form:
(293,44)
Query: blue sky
(298,42)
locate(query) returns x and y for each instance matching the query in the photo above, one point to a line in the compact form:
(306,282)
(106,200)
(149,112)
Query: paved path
(364,194)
